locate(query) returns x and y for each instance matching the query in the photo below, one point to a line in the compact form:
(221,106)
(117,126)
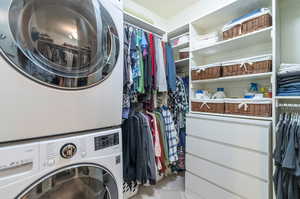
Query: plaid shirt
(171,134)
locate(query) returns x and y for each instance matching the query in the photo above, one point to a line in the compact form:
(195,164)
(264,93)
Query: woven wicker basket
(256,24)
(259,108)
(254,65)
(207,72)
(232,32)
(208,106)
(248,26)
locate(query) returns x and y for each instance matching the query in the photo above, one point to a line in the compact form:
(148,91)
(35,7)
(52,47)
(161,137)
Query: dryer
(61,66)
(79,167)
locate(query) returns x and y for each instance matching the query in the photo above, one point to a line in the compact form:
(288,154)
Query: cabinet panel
(234,182)
(249,162)
(205,190)
(247,134)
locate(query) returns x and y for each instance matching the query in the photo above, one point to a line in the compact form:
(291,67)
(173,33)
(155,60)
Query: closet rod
(134,26)
(289,105)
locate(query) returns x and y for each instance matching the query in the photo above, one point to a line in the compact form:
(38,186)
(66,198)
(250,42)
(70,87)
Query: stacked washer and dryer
(61,70)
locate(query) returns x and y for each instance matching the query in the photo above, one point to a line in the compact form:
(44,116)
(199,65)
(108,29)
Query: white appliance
(61,67)
(80,167)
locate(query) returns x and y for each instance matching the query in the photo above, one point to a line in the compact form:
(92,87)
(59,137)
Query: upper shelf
(230,11)
(244,41)
(178,31)
(129,18)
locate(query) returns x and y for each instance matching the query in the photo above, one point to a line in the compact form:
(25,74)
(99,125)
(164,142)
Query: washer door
(78,182)
(69,44)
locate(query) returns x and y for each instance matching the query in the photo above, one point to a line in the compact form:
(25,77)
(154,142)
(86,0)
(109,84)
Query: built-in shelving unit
(227,131)
(182,65)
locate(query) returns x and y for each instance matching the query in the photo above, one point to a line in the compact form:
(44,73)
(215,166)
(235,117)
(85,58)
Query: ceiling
(165,8)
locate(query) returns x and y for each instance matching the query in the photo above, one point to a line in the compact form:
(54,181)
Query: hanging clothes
(172,136)
(171,68)
(161,67)
(287,157)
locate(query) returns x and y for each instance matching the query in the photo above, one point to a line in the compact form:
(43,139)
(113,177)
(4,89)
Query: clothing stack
(287,157)
(288,79)
(149,146)
(206,39)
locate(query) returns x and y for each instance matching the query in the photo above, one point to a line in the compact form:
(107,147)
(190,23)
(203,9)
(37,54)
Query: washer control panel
(102,142)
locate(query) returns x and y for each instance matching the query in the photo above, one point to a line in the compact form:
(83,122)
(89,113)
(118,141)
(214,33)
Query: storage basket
(253,65)
(209,106)
(257,23)
(232,32)
(249,107)
(207,72)
(184,53)
(253,21)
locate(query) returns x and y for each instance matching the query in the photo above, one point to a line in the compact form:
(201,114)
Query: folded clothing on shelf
(288,80)
(206,39)
(177,41)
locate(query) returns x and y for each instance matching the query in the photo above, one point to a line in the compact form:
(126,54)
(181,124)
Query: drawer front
(236,183)
(198,188)
(243,133)
(245,161)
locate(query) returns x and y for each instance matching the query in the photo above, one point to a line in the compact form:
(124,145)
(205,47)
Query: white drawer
(248,134)
(246,161)
(232,181)
(197,188)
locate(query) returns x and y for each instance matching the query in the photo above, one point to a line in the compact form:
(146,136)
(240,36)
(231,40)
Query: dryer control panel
(102,142)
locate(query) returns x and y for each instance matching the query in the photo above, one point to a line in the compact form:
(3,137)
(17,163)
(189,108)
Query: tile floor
(169,188)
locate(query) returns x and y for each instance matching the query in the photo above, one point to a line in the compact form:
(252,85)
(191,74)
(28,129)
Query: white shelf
(244,41)
(182,62)
(234,116)
(178,31)
(183,45)
(129,18)
(236,78)
(222,15)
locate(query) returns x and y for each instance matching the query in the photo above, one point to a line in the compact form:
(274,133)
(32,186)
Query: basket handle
(204,104)
(201,69)
(245,105)
(244,65)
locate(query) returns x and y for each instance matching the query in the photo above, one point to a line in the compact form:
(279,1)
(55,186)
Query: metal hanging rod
(134,26)
(288,105)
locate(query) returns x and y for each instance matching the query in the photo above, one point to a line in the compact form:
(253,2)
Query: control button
(2,36)
(83,154)
(68,151)
(51,163)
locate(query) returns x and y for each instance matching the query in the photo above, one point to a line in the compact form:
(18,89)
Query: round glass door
(81,182)
(69,44)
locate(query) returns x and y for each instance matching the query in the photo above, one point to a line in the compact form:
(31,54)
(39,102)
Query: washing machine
(80,167)
(61,67)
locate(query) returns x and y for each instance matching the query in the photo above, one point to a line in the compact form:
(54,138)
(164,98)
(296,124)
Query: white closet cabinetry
(229,156)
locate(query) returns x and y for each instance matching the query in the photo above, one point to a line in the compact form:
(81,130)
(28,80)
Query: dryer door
(77,182)
(68,44)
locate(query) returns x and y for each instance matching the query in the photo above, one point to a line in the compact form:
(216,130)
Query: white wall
(158,21)
(194,11)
